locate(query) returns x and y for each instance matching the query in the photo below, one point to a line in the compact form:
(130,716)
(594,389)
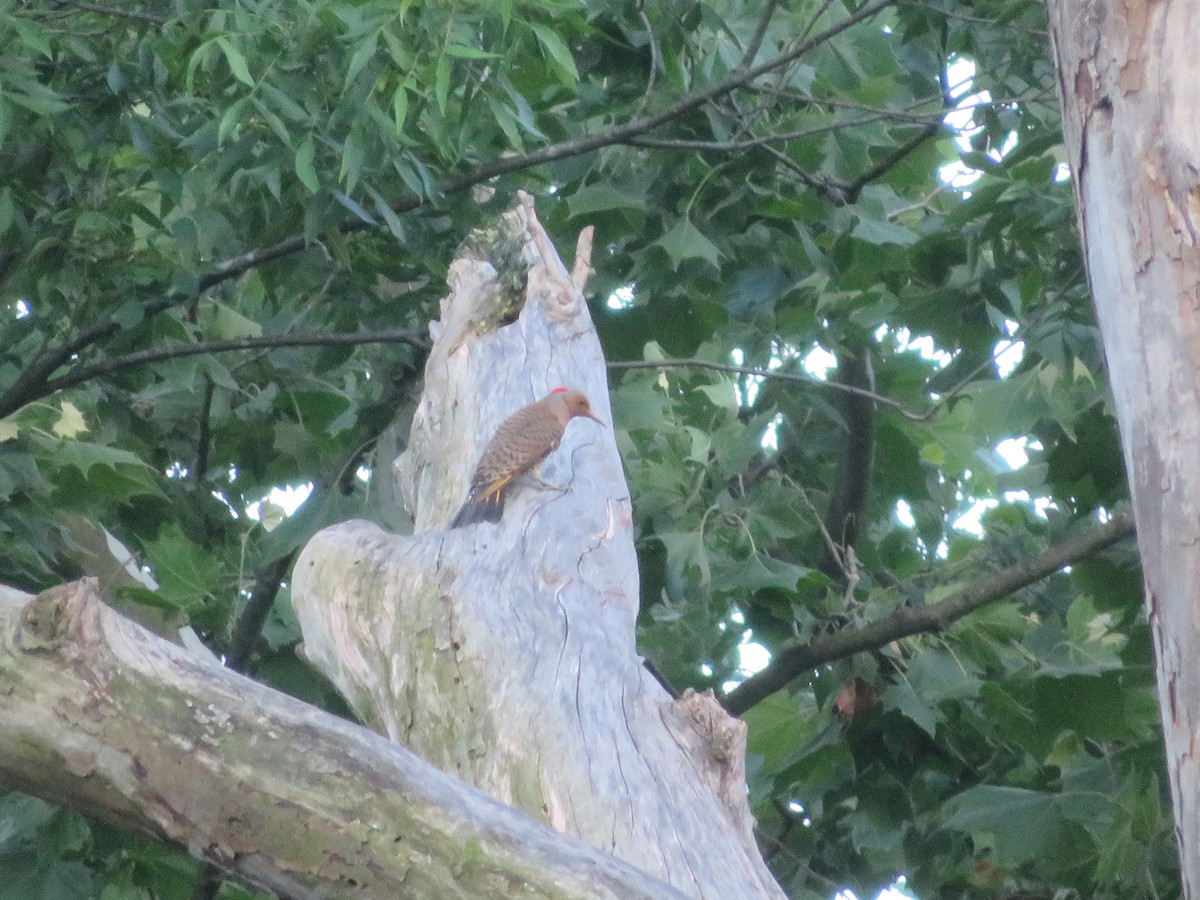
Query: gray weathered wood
(1129,84)
(98,714)
(504,654)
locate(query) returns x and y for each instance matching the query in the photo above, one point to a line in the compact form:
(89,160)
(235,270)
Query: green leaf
(352,161)
(305,170)
(83,456)
(395,226)
(237,62)
(757,572)
(779,725)
(187,574)
(400,108)
(684,241)
(902,698)
(32,35)
(441,83)
(603,197)
(461,51)
(876,231)
(363,54)
(231,119)
(554,47)
(685,550)
(1016,823)
(221,321)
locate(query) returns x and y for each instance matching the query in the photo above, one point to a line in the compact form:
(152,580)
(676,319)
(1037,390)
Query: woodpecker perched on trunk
(522,441)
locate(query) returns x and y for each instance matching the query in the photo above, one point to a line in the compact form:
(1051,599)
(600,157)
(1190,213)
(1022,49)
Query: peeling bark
(1129,83)
(504,654)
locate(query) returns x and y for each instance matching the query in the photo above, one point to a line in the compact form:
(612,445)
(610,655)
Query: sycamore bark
(1129,84)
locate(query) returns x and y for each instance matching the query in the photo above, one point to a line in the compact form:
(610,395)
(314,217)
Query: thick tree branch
(102,716)
(910,620)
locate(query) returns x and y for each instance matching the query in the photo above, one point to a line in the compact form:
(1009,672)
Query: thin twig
(175,351)
(734,146)
(892,159)
(816,17)
(655,62)
(115,12)
(775,373)
(833,188)
(835,551)
(760,32)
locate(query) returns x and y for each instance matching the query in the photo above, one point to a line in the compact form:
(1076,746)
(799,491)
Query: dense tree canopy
(840,288)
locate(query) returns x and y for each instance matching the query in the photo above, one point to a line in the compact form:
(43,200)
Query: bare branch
(267,581)
(760,32)
(32,383)
(909,620)
(116,12)
(775,373)
(204,435)
(656,61)
(892,159)
(142,357)
(796,134)
(834,189)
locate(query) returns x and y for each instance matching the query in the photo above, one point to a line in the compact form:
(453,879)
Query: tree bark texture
(100,715)
(504,654)
(1129,83)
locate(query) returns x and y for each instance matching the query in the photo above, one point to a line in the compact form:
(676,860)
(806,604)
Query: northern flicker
(521,442)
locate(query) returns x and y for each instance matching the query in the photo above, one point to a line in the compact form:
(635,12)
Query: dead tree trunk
(1129,85)
(504,654)
(98,714)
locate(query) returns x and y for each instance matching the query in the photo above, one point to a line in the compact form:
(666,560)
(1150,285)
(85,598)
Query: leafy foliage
(765,180)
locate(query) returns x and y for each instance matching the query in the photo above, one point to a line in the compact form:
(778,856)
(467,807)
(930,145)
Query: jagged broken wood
(504,654)
(100,715)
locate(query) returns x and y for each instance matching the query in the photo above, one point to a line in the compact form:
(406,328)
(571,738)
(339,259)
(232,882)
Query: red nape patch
(559,391)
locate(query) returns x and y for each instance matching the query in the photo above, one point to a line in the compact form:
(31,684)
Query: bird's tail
(482,507)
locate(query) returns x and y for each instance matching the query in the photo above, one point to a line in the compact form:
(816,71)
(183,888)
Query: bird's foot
(546,485)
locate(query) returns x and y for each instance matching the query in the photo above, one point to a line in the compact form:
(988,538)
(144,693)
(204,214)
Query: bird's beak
(595,418)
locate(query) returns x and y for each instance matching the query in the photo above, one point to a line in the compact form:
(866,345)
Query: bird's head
(570,403)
